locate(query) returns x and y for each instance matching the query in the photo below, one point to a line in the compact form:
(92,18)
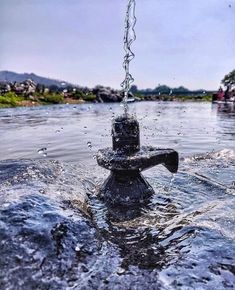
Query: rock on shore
(106,94)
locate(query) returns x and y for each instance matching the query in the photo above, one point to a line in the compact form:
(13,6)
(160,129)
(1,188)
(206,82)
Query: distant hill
(20,77)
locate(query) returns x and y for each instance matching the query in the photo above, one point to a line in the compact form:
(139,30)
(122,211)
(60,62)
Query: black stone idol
(126,160)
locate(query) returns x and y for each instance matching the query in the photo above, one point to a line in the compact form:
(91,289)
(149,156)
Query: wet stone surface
(55,233)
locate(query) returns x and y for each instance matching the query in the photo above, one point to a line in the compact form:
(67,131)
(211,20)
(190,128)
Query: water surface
(65,130)
(50,214)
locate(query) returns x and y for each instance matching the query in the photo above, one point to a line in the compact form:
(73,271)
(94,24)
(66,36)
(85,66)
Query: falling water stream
(129,38)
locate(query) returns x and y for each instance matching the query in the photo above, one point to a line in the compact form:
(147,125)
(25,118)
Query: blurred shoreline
(12,100)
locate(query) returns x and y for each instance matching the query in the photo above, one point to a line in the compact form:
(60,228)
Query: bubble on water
(89,145)
(43,151)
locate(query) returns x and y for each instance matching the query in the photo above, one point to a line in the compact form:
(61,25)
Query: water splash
(168,187)
(43,151)
(129,38)
(89,145)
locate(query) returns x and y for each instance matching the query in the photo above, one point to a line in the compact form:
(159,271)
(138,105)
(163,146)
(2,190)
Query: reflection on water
(227,110)
(51,216)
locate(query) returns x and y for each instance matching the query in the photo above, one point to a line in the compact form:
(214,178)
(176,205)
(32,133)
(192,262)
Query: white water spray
(129,38)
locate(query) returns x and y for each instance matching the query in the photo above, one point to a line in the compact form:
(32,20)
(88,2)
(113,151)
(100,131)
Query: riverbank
(11,99)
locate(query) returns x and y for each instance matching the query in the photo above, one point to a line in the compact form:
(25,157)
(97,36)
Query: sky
(179,42)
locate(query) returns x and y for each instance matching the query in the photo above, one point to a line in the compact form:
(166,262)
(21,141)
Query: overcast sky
(179,42)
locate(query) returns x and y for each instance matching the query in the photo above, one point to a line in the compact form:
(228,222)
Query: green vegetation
(204,98)
(162,90)
(229,79)
(10,99)
(89,97)
(31,94)
(180,98)
(207,98)
(78,95)
(53,98)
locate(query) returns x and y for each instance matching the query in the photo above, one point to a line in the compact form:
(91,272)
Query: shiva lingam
(126,185)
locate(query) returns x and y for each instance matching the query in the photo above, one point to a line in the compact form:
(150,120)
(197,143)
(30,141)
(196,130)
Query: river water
(55,233)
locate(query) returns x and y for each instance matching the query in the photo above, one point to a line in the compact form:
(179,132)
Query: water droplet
(43,151)
(89,145)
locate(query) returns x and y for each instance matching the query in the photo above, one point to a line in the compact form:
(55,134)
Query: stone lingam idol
(126,185)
